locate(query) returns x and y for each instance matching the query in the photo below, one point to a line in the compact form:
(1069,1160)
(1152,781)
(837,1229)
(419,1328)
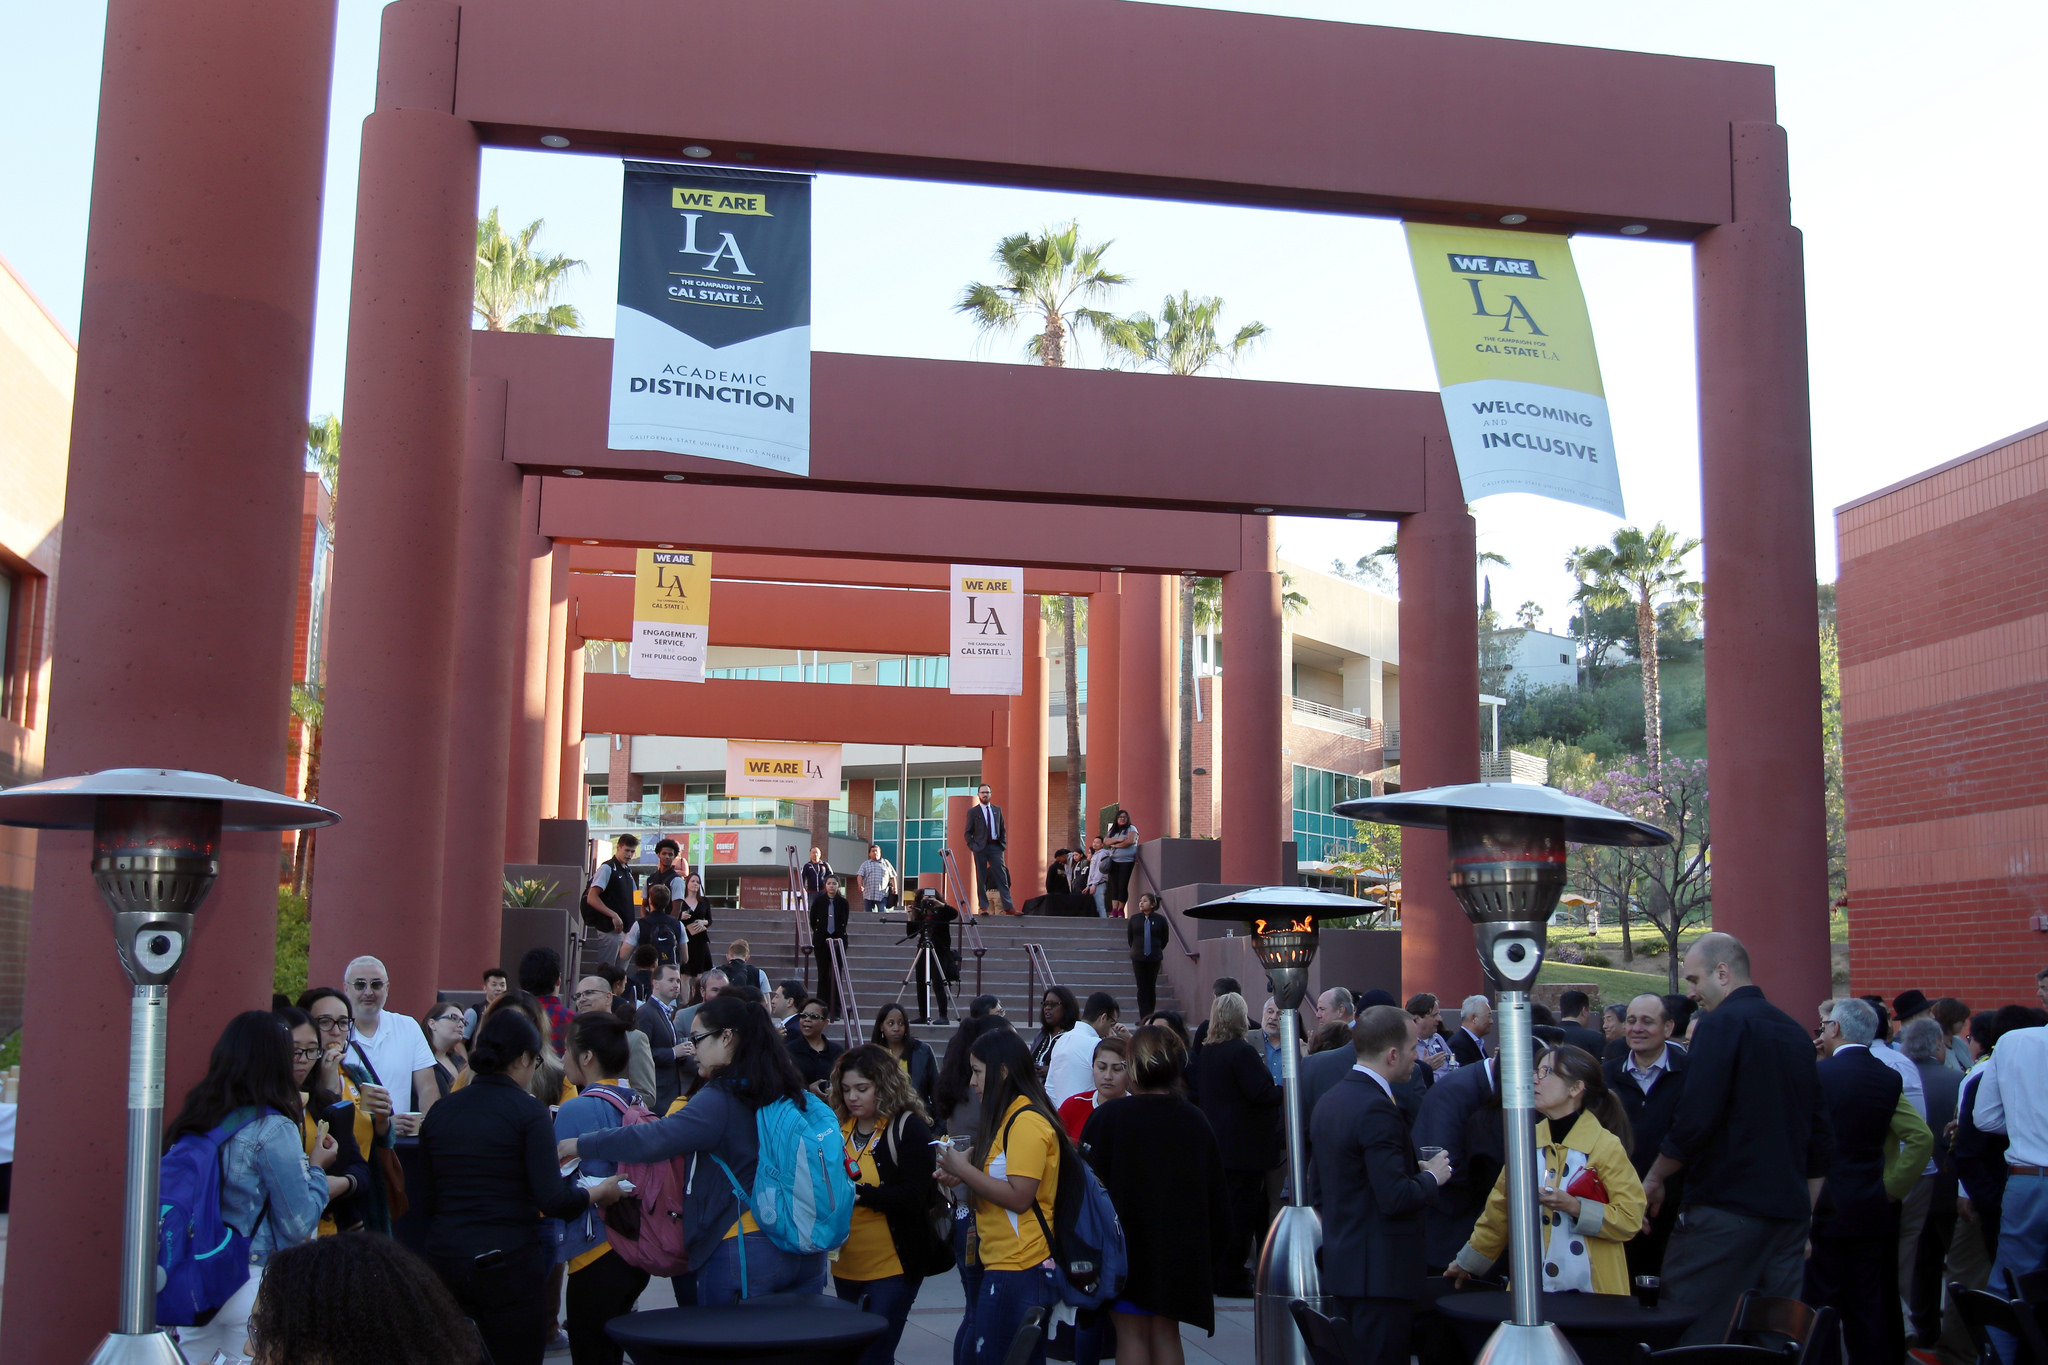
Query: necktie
(994,825)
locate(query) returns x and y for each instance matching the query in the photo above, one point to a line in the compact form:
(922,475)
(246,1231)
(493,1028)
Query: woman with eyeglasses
(348,1175)
(1057,1012)
(367,1112)
(270,1189)
(1592,1200)
(892,1034)
(745,1067)
(812,1051)
(443,1024)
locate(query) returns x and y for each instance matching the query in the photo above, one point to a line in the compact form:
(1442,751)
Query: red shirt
(558,1018)
(1074,1113)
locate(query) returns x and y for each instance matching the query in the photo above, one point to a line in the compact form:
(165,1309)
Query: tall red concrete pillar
(1026,801)
(551,713)
(1104,714)
(390,689)
(1145,741)
(181,547)
(1763,655)
(1436,550)
(527,736)
(489,587)
(1257,793)
(571,802)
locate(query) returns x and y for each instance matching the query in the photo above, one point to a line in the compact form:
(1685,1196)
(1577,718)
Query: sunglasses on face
(369,985)
(814,1018)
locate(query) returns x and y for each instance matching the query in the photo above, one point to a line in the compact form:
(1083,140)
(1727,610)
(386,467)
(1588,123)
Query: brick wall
(1943,611)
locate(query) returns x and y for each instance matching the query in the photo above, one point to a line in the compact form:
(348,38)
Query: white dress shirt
(1071,1068)
(2013,1096)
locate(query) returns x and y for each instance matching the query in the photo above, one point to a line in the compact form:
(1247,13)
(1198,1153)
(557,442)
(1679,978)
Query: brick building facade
(1943,618)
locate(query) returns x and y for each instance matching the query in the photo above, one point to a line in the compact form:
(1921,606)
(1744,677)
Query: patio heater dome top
(1275,902)
(1434,807)
(73,802)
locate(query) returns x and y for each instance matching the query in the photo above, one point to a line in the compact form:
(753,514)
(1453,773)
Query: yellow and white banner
(671,615)
(793,772)
(987,637)
(1515,363)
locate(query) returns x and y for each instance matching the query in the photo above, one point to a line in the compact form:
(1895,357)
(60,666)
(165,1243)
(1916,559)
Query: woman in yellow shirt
(1583,1129)
(1013,1174)
(892,1246)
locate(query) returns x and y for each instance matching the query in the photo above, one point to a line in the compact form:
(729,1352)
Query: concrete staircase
(1085,955)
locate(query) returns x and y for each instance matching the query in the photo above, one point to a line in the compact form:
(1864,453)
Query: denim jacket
(266,1160)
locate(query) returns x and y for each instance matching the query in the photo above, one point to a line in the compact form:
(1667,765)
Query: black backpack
(664,934)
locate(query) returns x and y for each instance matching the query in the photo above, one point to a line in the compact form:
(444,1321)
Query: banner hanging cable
(1515,363)
(712,347)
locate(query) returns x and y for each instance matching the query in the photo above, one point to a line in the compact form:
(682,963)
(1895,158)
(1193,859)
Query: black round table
(775,1329)
(1602,1328)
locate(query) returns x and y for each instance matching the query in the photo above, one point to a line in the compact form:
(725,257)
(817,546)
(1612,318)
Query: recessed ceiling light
(673,478)
(742,156)
(590,542)
(1513,218)
(573,473)
(1262,510)
(553,140)
(1356,516)
(664,546)
(697,152)
(1634,229)
(1116,568)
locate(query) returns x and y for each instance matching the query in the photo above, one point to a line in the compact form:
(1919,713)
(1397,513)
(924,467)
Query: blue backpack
(803,1192)
(1086,1240)
(201,1260)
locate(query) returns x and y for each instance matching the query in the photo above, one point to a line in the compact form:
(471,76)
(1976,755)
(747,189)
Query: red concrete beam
(770,567)
(1341,116)
(783,616)
(811,712)
(718,517)
(1022,432)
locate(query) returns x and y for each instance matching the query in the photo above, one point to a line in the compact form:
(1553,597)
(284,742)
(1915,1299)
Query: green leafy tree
(1641,569)
(516,286)
(308,703)
(1831,752)
(1181,340)
(1050,279)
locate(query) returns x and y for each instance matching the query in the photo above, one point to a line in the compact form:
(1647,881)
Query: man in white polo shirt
(391,1046)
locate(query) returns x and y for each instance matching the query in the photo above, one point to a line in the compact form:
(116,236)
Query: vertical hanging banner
(1515,362)
(671,614)
(792,772)
(712,351)
(987,658)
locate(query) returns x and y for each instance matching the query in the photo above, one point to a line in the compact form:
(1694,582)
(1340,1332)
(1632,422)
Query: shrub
(1596,960)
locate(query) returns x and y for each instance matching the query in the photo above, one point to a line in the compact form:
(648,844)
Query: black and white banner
(712,355)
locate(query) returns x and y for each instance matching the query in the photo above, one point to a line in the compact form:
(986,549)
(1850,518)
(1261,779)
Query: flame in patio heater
(1297,926)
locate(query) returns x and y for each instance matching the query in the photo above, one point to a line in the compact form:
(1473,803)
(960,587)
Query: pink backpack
(646,1227)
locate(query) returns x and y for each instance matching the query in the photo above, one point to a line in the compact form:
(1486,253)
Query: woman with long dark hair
(1058,1011)
(356,1299)
(443,1027)
(744,1066)
(1013,1174)
(892,1033)
(270,1189)
(1592,1198)
(695,914)
(1158,1159)
(487,1157)
(369,1114)
(348,1175)
(890,1248)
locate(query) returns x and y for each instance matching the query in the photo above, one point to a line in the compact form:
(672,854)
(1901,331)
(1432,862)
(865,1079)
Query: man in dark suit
(1475,1021)
(1881,1144)
(1370,1191)
(1572,1009)
(1649,1080)
(657,1020)
(987,836)
(1461,1114)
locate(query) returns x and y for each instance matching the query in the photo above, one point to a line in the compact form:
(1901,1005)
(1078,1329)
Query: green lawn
(1616,987)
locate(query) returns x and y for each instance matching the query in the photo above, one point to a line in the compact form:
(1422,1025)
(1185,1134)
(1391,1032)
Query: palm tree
(1638,568)
(1181,340)
(515,288)
(1049,278)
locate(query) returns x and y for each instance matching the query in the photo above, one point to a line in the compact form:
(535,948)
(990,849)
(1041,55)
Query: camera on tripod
(933,965)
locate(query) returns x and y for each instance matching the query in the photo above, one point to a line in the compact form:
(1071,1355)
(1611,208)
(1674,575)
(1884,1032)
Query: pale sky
(1917,175)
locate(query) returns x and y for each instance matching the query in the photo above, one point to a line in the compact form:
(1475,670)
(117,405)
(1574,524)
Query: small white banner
(987,645)
(671,615)
(793,772)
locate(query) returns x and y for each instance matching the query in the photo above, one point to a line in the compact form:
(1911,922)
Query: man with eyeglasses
(594,995)
(391,1047)
(666,1035)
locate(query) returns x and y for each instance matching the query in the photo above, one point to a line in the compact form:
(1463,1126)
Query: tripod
(928,969)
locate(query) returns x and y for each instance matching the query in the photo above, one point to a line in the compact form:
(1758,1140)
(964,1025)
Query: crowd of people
(466,1177)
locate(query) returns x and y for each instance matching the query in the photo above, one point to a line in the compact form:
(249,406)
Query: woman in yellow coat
(1583,1143)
